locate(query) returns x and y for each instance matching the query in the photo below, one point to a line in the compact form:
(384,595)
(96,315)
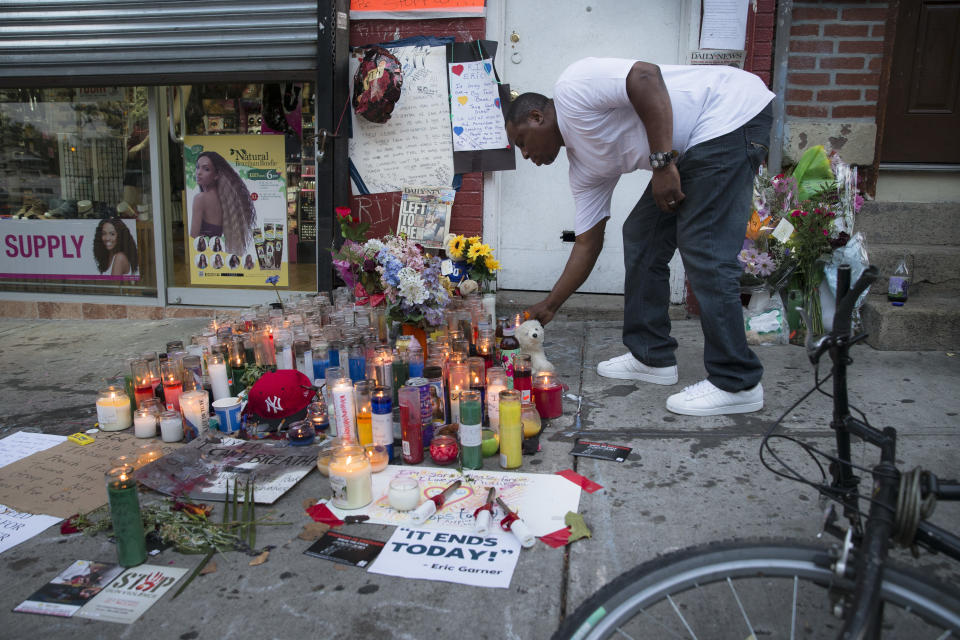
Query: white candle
(351,478)
(307,369)
(193,406)
(171,426)
(114,412)
(455,405)
(493,405)
(286,358)
(219,382)
(345,410)
(404,493)
(144,424)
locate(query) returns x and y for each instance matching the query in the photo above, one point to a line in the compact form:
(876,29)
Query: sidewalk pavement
(687,481)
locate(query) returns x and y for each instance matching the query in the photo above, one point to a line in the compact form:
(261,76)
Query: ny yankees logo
(273,404)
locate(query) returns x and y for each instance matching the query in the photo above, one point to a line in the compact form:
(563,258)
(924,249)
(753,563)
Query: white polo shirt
(605,137)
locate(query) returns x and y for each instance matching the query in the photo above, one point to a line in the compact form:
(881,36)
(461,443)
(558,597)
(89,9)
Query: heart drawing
(457,69)
(458,130)
(487,67)
(461,494)
(496,101)
(462,99)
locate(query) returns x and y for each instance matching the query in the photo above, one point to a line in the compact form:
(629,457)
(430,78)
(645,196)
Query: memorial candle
(411,421)
(283,347)
(236,364)
(478,378)
(459,373)
(113,409)
(172,385)
(381,405)
(523,375)
(471,428)
(195,407)
(496,382)
(350,478)
(342,397)
(361,394)
(125,513)
(548,395)
(144,423)
(142,381)
(511,430)
(219,381)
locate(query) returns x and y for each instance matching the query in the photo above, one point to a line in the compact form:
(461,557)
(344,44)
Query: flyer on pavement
(130,595)
(64,595)
(344,549)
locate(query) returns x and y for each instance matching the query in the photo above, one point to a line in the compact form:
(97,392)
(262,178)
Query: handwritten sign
(21,444)
(66,479)
(542,500)
(449,556)
(476,113)
(18,526)
(412,148)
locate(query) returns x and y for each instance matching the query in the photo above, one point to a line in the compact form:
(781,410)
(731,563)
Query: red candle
(548,395)
(410,424)
(142,393)
(444,450)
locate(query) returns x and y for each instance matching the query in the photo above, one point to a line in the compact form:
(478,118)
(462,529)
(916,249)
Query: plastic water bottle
(899,286)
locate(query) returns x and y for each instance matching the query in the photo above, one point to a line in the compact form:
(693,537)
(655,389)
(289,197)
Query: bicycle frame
(865,613)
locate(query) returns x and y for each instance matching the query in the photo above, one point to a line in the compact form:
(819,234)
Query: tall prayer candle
(459,381)
(125,513)
(219,381)
(411,422)
(113,409)
(511,430)
(142,381)
(195,407)
(496,382)
(381,404)
(341,395)
(471,428)
(361,395)
(523,376)
(172,385)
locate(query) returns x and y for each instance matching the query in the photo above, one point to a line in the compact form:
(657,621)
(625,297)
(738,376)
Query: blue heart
(486,65)
(458,130)
(496,101)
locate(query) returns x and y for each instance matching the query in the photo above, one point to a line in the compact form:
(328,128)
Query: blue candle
(381,406)
(334,356)
(358,368)
(320,368)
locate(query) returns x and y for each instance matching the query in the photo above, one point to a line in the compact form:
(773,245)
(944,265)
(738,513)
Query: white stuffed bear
(530,336)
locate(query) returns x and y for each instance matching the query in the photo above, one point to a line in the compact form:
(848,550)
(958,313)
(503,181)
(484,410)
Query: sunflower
(456,247)
(491,264)
(478,251)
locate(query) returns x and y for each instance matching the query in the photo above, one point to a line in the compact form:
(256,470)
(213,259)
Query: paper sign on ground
(17,526)
(541,500)
(475,110)
(449,556)
(68,478)
(64,595)
(202,470)
(344,549)
(21,444)
(130,595)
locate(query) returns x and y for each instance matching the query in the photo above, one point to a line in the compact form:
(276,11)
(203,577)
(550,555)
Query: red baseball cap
(279,394)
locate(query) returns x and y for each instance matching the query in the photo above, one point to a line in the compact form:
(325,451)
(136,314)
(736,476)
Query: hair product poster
(236,210)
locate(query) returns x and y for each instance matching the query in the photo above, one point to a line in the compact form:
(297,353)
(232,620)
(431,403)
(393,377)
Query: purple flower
(273,280)
(765,264)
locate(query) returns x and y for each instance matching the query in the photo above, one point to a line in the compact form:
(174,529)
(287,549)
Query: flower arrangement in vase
(475,259)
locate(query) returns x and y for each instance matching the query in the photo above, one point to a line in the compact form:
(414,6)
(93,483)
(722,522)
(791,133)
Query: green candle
(125,514)
(471,429)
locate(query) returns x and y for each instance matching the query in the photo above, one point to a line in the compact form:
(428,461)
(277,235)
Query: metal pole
(781,55)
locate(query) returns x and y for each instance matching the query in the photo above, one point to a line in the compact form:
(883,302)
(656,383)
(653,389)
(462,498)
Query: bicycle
(740,589)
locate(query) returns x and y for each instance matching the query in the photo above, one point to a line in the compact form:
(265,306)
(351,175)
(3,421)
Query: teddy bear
(530,336)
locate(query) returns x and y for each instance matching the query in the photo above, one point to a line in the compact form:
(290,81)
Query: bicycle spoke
(676,610)
(624,634)
(742,610)
(662,626)
(946,634)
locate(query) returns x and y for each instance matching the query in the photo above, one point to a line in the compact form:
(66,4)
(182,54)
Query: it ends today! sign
(69,249)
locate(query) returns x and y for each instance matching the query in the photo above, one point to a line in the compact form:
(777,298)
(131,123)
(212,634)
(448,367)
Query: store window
(242,187)
(75,182)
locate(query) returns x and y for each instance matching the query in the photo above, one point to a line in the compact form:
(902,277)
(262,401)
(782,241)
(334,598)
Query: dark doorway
(922,121)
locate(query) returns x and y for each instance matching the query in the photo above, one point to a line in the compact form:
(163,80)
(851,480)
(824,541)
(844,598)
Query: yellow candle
(364,427)
(511,430)
(113,409)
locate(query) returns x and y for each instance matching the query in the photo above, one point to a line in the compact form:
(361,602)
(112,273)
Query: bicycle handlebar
(842,317)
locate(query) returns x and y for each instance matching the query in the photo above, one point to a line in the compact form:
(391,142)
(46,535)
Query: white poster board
(413,147)
(449,556)
(19,526)
(724,24)
(476,113)
(541,500)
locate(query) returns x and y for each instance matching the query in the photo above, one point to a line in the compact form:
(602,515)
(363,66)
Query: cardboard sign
(449,556)
(66,479)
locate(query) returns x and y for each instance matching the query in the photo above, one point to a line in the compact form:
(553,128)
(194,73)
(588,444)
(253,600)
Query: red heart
(457,69)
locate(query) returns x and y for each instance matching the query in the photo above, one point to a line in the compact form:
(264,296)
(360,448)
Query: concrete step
(922,223)
(928,321)
(932,265)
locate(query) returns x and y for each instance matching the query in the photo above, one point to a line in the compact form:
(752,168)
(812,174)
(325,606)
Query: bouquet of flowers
(357,266)
(351,227)
(414,290)
(481,267)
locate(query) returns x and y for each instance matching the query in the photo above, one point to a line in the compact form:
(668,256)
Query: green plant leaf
(813,173)
(578,528)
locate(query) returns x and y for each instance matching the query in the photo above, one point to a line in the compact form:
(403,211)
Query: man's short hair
(524,104)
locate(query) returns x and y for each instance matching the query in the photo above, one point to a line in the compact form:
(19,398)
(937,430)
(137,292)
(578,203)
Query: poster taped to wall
(425,215)
(476,116)
(236,210)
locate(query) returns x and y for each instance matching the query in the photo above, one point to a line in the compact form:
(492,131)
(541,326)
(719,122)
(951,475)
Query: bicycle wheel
(752,589)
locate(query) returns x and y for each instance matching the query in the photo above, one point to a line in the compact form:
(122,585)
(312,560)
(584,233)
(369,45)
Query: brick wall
(759,43)
(381,209)
(836,49)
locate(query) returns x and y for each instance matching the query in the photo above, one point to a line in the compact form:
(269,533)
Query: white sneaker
(704,399)
(626,367)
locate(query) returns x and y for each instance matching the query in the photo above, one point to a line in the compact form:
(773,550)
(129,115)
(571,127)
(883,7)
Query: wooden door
(923,105)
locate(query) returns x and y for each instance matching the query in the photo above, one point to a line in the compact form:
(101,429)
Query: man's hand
(542,311)
(666,188)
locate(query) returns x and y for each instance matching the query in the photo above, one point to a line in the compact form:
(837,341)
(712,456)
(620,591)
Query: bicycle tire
(695,586)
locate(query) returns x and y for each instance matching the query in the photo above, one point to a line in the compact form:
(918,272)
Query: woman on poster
(223,206)
(114,248)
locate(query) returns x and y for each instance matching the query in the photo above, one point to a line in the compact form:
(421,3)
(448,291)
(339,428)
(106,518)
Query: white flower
(411,286)
(372,247)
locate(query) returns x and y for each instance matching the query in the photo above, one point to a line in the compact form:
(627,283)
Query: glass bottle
(898,288)
(509,347)
(530,418)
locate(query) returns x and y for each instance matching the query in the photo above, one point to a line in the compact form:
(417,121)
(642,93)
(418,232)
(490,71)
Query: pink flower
(825,232)
(343,212)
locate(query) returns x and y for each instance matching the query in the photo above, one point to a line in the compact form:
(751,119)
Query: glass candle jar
(195,409)
(144,423)
(496,382)
(379,457)
(301,433)
(325,456)
(361,394)
(530,419)
(548,395)
(318,417)
(411,424)
(404,493)
(142,381)
(523,375)
(459,375)
(344,408)
(125,513)
(172,384)
(471,438)
(444,450)
(171,426)
(350,477)
(114,411)
(147,453)
(511,430)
